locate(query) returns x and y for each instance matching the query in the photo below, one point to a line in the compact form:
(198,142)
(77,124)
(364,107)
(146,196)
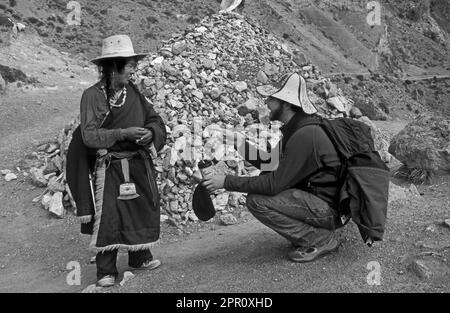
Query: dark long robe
(129,224)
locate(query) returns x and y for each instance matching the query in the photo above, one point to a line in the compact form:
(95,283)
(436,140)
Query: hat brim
(135,56)
(267,90)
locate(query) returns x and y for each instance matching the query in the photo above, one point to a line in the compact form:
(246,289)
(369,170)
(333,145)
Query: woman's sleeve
(93,137)
(155,123)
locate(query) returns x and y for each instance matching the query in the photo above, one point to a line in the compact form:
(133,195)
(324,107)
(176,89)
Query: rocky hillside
(335,35)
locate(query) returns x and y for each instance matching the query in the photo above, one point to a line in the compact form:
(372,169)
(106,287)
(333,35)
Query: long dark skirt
(127,224)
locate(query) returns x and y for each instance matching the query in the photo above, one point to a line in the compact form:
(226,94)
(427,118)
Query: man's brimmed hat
(292,89)
(117,46)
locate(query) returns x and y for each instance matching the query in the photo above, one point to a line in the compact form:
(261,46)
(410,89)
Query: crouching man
(296,197)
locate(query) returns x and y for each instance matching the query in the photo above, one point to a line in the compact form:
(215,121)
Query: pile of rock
(202,82)
(46,169)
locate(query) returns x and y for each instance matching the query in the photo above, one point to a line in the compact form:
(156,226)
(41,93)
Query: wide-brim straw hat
(118,46)
(292,89)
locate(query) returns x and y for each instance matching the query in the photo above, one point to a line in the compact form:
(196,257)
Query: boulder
(424,144)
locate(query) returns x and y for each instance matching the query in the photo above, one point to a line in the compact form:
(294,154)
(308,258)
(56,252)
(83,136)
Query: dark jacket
(306,154)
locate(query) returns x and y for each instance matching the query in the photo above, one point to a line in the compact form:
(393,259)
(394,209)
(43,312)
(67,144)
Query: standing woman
(121,126)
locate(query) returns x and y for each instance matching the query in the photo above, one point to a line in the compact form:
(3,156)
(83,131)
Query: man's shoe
(301,254)
(106,281)
(149,265)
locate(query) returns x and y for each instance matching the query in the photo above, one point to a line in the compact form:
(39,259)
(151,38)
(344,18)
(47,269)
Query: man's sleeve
(93,137)
(155,123)
(297,162)
(255,156)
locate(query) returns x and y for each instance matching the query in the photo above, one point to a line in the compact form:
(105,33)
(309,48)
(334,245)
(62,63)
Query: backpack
(363,177)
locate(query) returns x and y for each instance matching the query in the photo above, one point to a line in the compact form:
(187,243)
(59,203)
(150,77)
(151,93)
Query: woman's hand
(134,133)
(146,139)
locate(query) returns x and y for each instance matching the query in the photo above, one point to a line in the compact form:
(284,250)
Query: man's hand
(146,139)
(214,182)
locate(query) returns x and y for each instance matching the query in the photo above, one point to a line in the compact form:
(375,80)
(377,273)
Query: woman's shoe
(149,265)
(106,281)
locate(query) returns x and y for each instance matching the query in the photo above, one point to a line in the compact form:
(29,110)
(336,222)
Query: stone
(270,69)
(163,218)
(127,276)
(52,148)
(172,71)
(50,168)
(424,144)
(447,223)
(240,86)
(300,58)
(186,74)
(220,201)
(58,162)
(5,172)
(182,177)
(333,91)
(249,106)
(193,217)
(228,219)
(149,82)
(201,29)
(355,112)
(10,176)
(179,47)
(173,205)
(215,93)
(198,94)
(56,205)
(55,186)
(189,171)
(336,103)
(37,177)
(262,77)
(429,268)
(370,109)
(209,64)
(46,200)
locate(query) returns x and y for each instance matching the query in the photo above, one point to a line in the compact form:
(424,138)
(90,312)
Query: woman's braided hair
(107,68)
